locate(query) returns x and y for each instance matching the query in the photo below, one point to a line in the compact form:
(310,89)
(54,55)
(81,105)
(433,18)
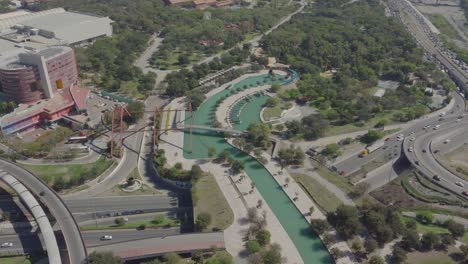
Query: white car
(410,149)
(458,120)
(106,237)
(447,141)
(400,138)
(6,244)
(459,184)
(436,127)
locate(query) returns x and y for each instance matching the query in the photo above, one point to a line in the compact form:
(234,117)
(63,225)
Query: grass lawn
(427,228)
(20,259)
(166,223)
(272,113)
(207,197)
(130,89)
(340,181)
(325,199)
(49,172)
(337,130)
(431,257)
(444,26)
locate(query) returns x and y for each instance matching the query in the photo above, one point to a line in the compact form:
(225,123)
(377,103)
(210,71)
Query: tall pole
(112,132)
(155,127)
(190,109)
(121,132)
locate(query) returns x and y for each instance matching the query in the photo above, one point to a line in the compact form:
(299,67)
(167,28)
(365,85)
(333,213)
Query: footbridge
(215,129)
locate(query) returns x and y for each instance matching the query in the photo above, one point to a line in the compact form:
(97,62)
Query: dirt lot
(457,161)
(434,257)
(453,14)
(394,194)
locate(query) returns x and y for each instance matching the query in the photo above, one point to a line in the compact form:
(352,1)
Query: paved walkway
(442,218)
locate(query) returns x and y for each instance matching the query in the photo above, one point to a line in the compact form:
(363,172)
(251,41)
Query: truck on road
(371,148)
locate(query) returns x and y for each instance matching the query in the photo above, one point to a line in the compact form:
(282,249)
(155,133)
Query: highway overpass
(69,228)
(152,247)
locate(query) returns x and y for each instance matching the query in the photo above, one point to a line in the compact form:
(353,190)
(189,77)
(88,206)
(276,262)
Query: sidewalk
(303,204)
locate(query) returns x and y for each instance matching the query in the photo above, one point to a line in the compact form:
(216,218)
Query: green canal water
(307,243)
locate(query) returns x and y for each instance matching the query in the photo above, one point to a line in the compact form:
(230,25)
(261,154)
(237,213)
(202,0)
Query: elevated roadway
(151,247)
(43,222)
(69,228)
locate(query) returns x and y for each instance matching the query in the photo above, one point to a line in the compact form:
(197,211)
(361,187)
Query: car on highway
(424,151)
(436,151)
(460,184)
(6,244)
(465,193)
(436,178)
(106,237)
(410,149)
(436,127)
(412,138)
(447,141)
(458,120)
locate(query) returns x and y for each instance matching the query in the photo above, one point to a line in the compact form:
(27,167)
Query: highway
(393,146)
(33,242)
(120,203)
(68,226)
(423,154)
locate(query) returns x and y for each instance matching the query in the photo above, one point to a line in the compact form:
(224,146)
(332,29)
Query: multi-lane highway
(33,242)
(392,147)
(420,152)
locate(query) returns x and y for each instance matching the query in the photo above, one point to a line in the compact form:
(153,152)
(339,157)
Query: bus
(81,139)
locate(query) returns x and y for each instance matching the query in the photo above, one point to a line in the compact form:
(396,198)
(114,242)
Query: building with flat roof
(44,83)
(50,27)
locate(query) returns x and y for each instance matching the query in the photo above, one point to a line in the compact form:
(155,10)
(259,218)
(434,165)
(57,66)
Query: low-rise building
(45,85)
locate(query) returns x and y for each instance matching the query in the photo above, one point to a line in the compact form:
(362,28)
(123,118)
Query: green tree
(430,240)
(424,217)
(291,156)
(272,102)
(411,240)
(258,134)
(135,109)
(172,258)
(371,136)
(119,221)
(253,246)
(331,150)
(237,166)
(464,250)
(224,156)
(106,257)
(456,229)
(345,220)
(220,257)
(275,87)
(203,221)
(263,237)
(272,255)
(159,219)
(319,226)
(398,254)
(375,260)
(370,245)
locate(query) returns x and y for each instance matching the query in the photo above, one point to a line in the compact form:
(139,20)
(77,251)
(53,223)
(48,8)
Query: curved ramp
(43,222)
(70,230)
